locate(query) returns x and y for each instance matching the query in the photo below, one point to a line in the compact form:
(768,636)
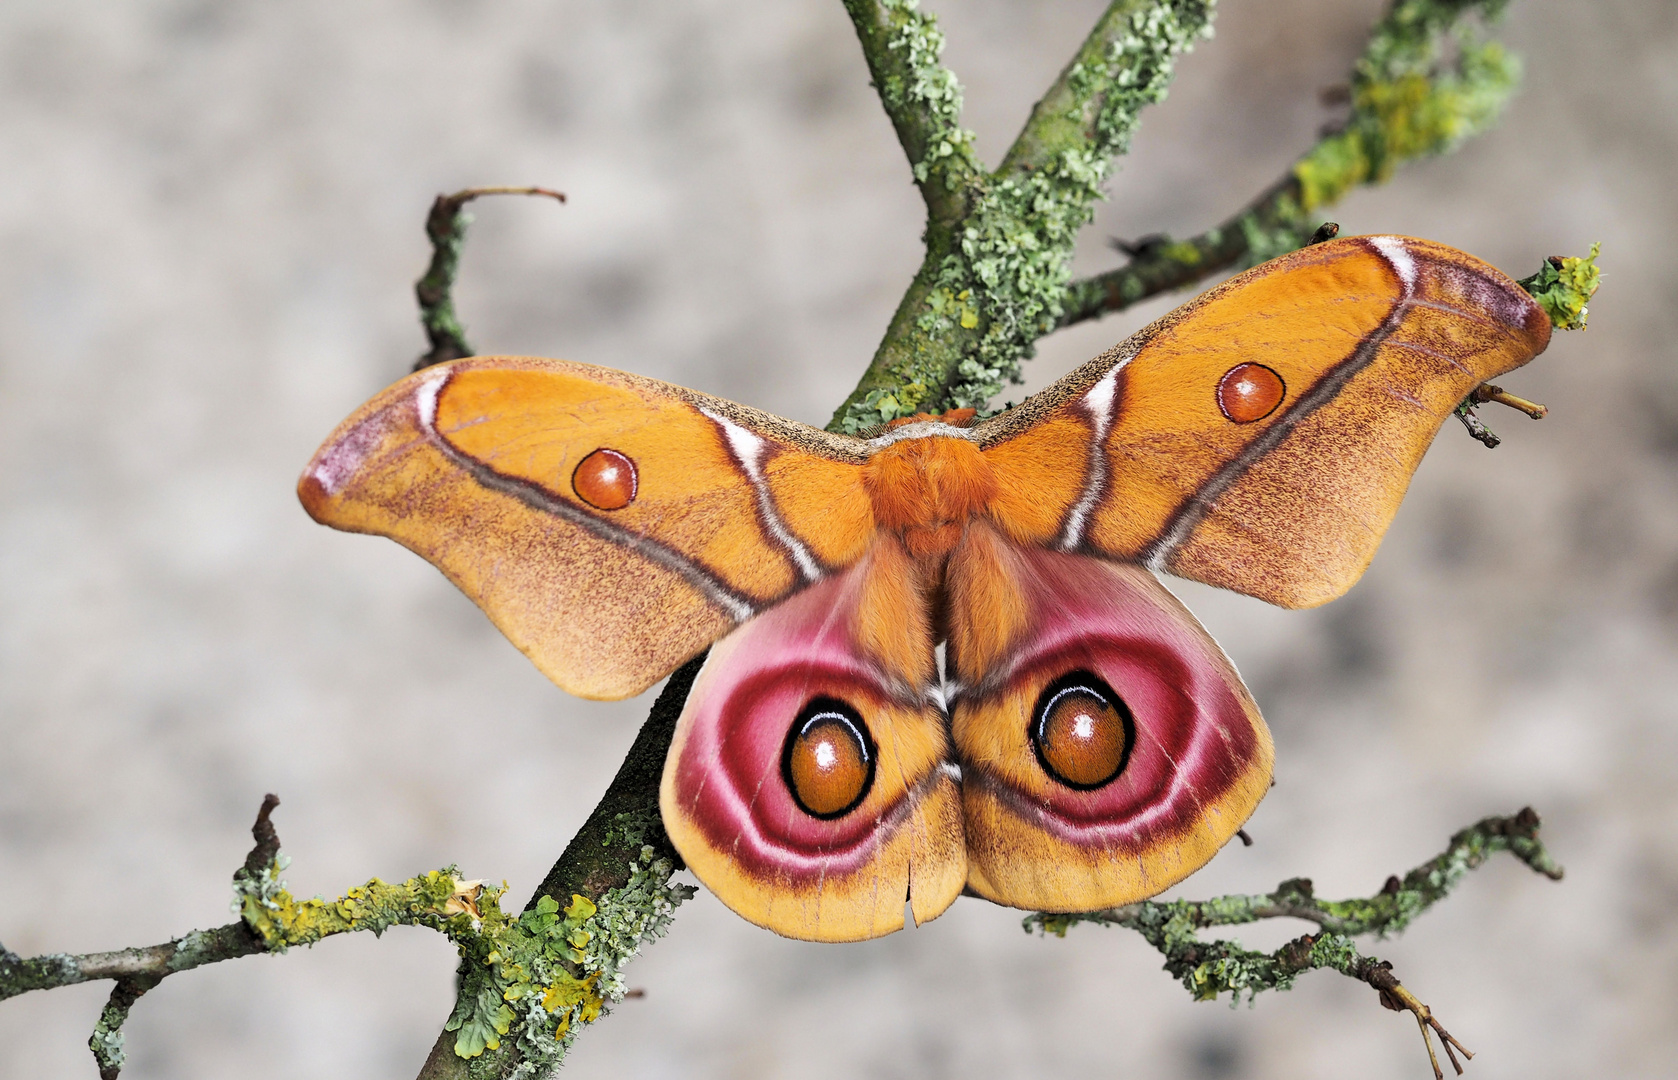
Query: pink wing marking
(728,780)
(1195,727)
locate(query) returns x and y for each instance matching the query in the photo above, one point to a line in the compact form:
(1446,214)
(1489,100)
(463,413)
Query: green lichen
(1427,81)
(1015,254)
(996,278)
(438,899)
(926,85)
(1001,284)
(1564,286)
(107,1043)
(535,977)
(1208,969)
(551,971)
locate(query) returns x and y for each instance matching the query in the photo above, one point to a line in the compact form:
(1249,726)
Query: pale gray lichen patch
(930,87)
(1015,252)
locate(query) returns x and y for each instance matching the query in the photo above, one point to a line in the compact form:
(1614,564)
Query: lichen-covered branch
(999,250)
(1123,66)
(619,863)
(902,46)
(1426,81)
(528,980)
(1208,969)
(445,227)
(19,975)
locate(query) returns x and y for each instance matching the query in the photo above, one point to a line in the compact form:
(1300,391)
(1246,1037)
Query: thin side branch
(1209,968)
(445,226)
(902,46)
(1424,83)
(200,947)
(1272,224)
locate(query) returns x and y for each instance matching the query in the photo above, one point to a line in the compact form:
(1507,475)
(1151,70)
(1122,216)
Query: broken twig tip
(1328,230)
(1476,429)
(1487,392)
(266,836)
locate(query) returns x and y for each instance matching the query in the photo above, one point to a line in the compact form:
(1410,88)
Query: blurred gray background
(210,219)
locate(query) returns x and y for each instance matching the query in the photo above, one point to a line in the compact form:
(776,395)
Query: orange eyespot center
(1081,731)
(605,480)
(1249,392)
(828,762)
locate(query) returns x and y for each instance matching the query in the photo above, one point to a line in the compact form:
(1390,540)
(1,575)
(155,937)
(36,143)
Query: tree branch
(998,258)
(1124,65)
(604,855)
(445,226)
(903,46)
(200,947)
(1209,968)
(1425,82)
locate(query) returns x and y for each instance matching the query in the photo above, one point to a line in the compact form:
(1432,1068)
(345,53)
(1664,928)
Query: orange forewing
(471,465)
(1373,341)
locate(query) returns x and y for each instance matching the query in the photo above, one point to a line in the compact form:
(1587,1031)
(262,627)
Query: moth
(1081,742)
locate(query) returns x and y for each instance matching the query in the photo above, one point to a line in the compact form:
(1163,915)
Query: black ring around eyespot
(829,710)
(1088,683)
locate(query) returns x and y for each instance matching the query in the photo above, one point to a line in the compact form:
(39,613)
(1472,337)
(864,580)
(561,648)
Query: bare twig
(267,838)
(446,228)
(1476,429)
(1327,231)
(1488,392)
